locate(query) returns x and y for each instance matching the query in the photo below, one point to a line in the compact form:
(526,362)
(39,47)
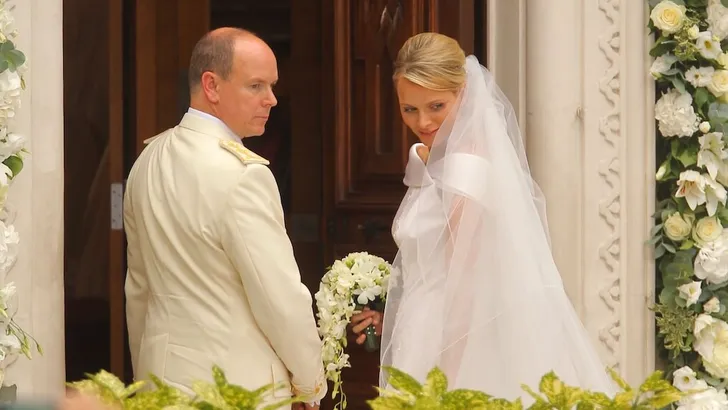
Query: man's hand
(362,320)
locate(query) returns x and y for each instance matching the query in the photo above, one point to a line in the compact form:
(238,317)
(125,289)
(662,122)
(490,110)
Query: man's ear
(210,84)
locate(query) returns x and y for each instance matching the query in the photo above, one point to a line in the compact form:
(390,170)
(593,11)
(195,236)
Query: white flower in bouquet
(662,64)
(678,226)
(9,240)
(708,399)
(712,152)
(690,292)
(691,186)
(668,16)
(700,76)
(675,114)
(10,344)
(715,194)
(711,342)
(712,306)
(707,230)
(351,282)
(685,379)
(11,85)
(711,262)
(11,144)
(719,83)
(708,45)
(717,19)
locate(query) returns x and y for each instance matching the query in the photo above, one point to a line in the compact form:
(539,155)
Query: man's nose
(271,100)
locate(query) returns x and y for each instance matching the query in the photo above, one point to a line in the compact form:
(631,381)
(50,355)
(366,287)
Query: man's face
(246,97)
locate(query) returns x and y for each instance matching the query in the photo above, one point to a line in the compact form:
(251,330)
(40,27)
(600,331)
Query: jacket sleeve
(254,238)
(135,288)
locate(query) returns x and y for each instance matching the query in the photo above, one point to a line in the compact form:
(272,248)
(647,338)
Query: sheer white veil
(477,291)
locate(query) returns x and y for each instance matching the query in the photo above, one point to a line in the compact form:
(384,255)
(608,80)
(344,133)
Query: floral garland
(691,243)
(13,339)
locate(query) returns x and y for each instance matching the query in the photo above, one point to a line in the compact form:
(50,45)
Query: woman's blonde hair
(431,60)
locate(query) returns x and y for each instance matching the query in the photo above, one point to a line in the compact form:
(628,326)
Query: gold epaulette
(245,155)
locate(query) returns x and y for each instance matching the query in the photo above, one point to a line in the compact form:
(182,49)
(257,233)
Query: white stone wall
(585,101)
(38,197)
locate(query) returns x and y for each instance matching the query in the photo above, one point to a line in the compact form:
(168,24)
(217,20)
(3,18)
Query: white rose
(662,65)
(704,127)
(685,379)
(707,230)
(678,227)
(693,32)
(723,60)
(708,45)
(668,16)
(711,342)
(690,292)
(675,114)
(717,19)
(719,83)
(712,306)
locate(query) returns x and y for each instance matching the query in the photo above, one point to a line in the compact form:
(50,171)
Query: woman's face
(423,110)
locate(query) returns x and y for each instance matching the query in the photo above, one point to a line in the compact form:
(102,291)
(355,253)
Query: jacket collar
(207,124)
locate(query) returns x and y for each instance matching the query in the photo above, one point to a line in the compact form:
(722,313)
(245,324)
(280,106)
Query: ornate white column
(590,141)
(38,196)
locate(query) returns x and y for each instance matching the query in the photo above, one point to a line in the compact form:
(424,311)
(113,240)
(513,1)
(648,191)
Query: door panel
(365,142)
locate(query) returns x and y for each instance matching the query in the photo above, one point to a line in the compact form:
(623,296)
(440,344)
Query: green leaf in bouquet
(687,244)
(208,393)
(662,46)
(436,383)
(724,3)
(659,251)
(678,84)
(702,96)
(15,163)
(655,229)
(465,399)
(668,247)
(675,325)
(688,156)
(402,381)
(390,403)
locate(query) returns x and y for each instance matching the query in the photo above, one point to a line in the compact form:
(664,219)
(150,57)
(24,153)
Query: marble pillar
(37,195)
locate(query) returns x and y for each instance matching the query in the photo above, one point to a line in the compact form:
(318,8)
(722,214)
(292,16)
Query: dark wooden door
(366,144)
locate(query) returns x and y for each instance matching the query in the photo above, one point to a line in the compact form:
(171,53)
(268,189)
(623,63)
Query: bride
(477,291)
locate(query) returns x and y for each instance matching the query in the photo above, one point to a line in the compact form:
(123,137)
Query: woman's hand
(362,320)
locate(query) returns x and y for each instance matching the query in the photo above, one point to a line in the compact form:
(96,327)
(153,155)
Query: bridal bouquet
(359,280)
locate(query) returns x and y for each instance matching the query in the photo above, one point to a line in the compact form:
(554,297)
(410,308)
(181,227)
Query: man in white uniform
(212,278)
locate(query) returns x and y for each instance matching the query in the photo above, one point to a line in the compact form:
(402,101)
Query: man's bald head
(232,75)
(215,52)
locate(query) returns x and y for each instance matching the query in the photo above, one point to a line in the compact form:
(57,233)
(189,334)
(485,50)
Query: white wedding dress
(476,291)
